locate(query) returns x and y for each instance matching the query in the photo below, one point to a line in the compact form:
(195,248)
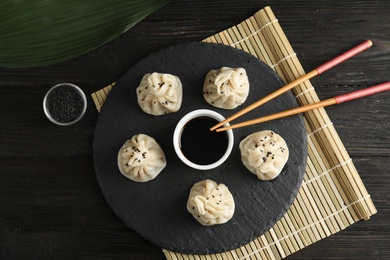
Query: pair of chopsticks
(317,71)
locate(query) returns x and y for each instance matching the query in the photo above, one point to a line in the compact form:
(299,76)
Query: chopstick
(328,102)
(317,71)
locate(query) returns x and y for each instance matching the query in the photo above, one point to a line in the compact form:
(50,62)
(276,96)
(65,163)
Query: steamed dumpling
(159,93)
(264,154)
(226,88)
(141,158)
(210,203)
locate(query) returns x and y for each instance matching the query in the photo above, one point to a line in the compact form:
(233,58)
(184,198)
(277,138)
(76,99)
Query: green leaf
(42,32)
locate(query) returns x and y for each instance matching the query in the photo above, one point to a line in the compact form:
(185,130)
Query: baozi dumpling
(141,158)
(264,153)
(226,87)
(210,203)
(159,93)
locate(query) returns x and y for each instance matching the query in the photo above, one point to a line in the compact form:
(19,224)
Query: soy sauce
(199,144)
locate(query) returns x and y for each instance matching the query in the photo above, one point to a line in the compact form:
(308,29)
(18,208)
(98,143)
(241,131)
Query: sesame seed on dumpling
(226,87)
(159,93)
(264,153)
(210,203)
(141,158)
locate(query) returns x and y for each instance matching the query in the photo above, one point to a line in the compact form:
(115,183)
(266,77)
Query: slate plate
(157,209)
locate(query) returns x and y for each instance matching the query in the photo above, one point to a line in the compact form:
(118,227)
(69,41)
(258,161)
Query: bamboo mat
(332,196)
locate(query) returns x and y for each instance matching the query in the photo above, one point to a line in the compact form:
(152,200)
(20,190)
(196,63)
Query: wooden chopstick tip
(221,129)
(214,128)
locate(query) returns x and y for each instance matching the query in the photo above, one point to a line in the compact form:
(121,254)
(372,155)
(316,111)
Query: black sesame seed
(65,104)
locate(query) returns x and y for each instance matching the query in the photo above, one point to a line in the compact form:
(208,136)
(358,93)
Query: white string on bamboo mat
(285,58)
(306,227)
(327,171)
(320,128)
(303,92)
(254,33)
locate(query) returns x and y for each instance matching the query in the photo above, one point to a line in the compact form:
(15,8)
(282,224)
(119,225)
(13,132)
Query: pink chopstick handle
(363,92)
(346,55)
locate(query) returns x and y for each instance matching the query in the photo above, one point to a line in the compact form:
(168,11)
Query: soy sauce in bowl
(196,145)
(199,144)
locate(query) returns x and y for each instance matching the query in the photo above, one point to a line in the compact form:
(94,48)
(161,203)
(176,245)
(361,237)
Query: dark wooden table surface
(51,205)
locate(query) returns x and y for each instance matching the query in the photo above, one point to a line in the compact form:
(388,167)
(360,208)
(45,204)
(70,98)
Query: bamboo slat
(332,196)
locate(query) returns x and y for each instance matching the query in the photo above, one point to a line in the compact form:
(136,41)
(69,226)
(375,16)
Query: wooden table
(51,204)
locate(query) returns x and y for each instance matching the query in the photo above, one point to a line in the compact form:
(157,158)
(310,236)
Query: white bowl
(177,137)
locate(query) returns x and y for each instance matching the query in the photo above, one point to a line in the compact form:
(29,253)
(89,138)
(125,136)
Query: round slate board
(157,209)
